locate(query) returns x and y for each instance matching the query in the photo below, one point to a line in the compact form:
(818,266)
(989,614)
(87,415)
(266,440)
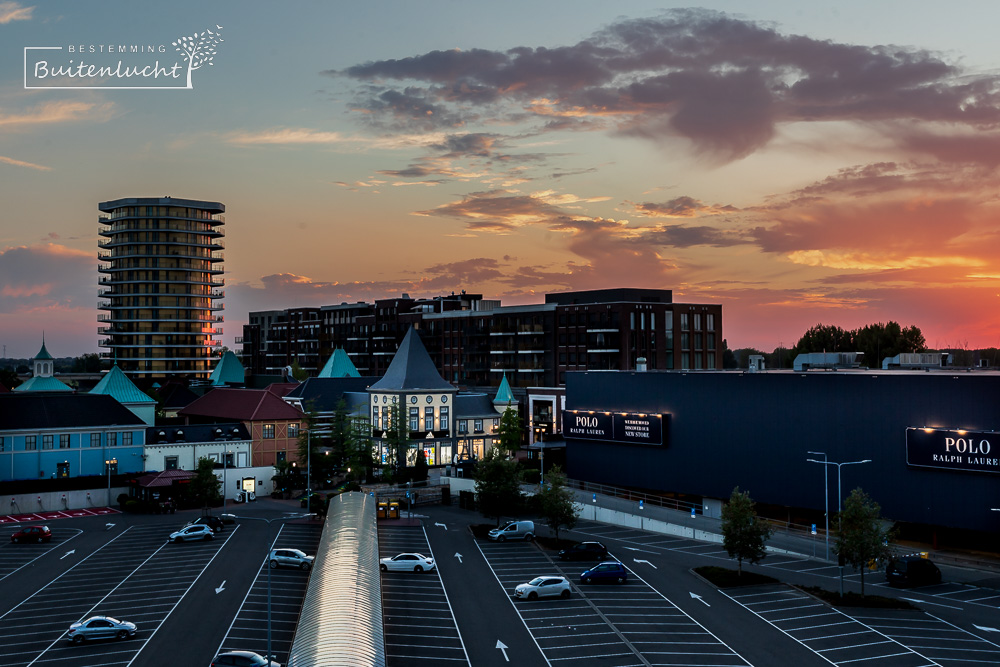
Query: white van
(515,530)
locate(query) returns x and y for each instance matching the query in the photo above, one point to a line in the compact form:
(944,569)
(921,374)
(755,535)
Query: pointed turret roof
(39,383)
(504,395)
(339,365)
(229,370)
(411,368)
(118,385)
(43,353)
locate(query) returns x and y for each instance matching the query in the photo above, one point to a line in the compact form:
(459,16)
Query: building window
(684,321)
(62,468)
(429,456)
(64,443)
(685,361)
(112,439)
(2,445)
(697,321)
(429,419)
(127,439)
(443,419)
(385,417)
(496,425)
(685,340)
(463,426)
(479,425)
(30,443)
(46,442)
(268,432)
(710,321)
(710,340)
(95,439)
(170,462)
(375,422)
(293,430)
(414,419)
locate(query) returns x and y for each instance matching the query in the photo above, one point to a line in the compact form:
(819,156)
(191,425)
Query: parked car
(32,534)
(610,572)
(100,627)
(515,530)
(585,551)
(243,659)
(407,563)
(290,558)
(912,571)
(196,532)
(540,587)
(215,523)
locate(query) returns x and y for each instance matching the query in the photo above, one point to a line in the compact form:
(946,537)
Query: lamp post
(107,464)
(839,520)
(826,497)
(309,466)
(267,544)
(225,478)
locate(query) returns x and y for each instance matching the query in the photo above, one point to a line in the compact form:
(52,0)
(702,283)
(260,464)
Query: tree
(509,432)
(556,502)
(88,363)
(729,360)
(204,487)
(298,372)
(396,438)
(198,49)
(744,534)
(420,469)
(879,341)
(282,476)
(862,540)
(498,488)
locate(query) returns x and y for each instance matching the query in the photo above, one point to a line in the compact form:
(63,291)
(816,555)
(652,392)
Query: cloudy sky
(799,163)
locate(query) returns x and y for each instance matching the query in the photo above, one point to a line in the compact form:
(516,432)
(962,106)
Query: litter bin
(393,510)
(382,511)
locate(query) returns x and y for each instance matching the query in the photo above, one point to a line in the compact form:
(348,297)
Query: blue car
(610,572)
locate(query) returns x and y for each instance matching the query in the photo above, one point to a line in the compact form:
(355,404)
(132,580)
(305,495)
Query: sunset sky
(798,163)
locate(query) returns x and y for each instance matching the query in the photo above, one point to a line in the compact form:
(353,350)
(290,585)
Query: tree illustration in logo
(199,49)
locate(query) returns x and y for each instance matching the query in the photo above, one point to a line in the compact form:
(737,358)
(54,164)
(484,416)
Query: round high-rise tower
(161,266)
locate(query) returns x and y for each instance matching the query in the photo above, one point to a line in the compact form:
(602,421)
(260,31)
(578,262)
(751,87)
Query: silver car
(195,532)
(540,587)
(290,558)
(100,627)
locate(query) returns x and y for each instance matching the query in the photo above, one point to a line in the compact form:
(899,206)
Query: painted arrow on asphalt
(221,587)
(982,627)
(442,525)
(458,556)
(71,551)
(938,604)
(646,562)
(698,598)
(503,648)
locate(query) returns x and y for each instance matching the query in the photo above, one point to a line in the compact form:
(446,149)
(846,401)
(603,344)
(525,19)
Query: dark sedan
(611,572)
(912,571)
(584,551)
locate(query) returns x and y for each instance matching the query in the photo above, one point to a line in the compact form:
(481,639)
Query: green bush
(132,506)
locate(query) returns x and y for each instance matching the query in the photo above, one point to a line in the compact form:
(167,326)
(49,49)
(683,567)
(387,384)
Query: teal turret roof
(228,371)
(118,385)
(339,365)
(43,353)
(504,395)
(40,383)
(411,368)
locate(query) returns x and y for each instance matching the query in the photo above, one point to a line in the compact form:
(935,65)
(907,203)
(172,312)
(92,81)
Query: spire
(411,368)
(228,371)
(504,395)
(339,365)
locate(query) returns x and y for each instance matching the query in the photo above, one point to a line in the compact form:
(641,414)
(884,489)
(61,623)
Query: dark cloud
(680,207)
(680,236)
(724,83)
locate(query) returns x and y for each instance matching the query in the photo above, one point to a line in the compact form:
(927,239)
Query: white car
(540,587)
(407,563)
(194,532)
(290,558)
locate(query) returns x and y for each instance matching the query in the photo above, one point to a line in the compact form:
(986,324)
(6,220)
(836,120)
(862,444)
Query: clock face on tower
(444,399)
(413,399)
(430,399)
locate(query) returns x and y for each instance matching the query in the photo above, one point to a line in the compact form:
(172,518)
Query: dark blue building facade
(931,438)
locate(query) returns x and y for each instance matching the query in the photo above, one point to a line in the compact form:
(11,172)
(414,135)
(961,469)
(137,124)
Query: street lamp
(826,498)
(268,544)
(309,465)
(225,479)
(839,519)
(107,464)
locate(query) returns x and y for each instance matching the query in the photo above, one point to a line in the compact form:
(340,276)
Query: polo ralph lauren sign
(974,451)
(625,427)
